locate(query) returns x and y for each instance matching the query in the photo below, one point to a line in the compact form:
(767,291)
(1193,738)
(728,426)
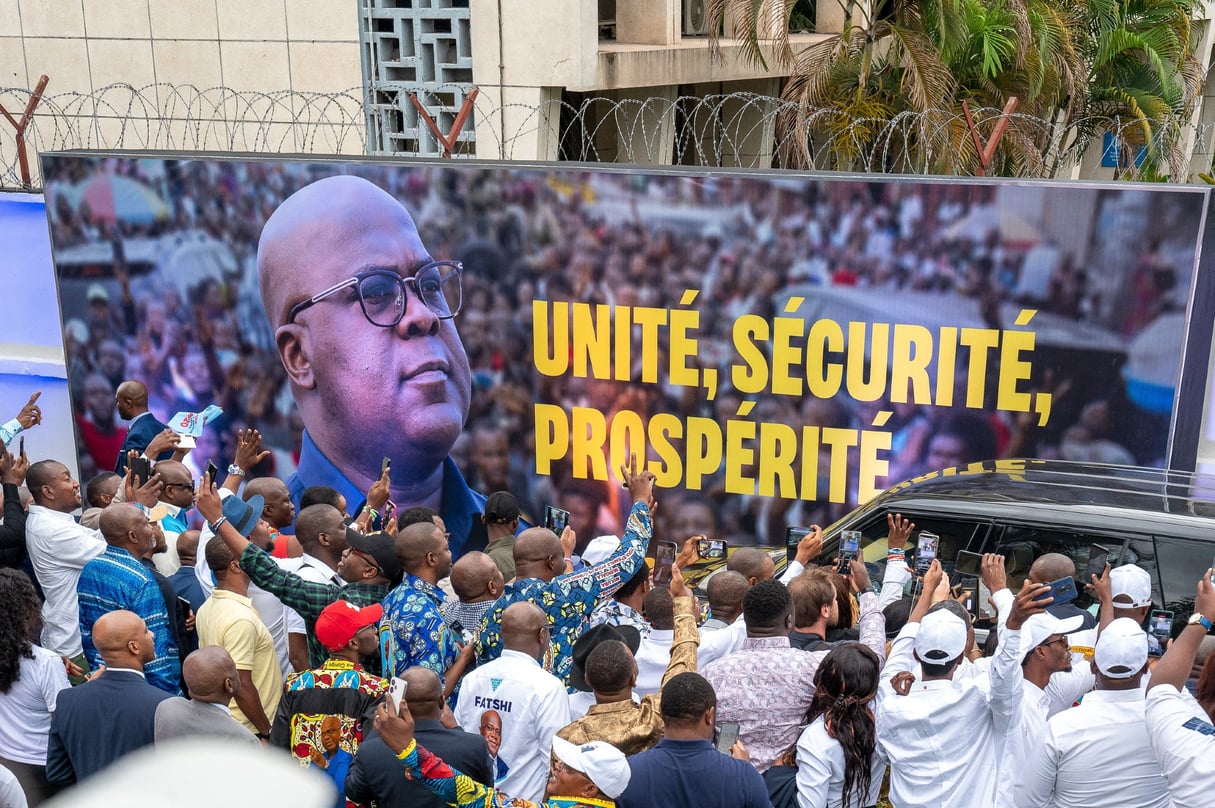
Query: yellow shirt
(230,621)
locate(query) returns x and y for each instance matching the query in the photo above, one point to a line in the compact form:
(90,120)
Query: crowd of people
(205,335)
(533,674)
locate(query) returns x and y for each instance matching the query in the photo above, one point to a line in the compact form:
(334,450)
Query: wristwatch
(1197,619)
(236,470)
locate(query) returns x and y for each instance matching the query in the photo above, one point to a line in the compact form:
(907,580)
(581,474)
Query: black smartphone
(968,595)
(727,736)
(211,469)
(555,519)
(793,537)
(850,550)
(21,447)
(1162,624)
(712,549)
(141,470)
(184,605)
(968,563)
(926,551)
(1098,557)
(384,464)
(1062,590)
(664,557)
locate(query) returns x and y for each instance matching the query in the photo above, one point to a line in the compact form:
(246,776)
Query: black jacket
(376,774)
(12,532)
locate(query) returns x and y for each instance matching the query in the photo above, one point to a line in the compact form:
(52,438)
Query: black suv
(1164,521)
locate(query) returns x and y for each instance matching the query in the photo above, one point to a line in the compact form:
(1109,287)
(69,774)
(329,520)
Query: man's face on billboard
(364,391)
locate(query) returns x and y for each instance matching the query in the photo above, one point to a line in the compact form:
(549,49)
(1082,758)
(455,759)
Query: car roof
(1061,492)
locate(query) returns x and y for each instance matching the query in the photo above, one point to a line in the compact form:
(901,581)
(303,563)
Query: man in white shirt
(528,703)
(1071,767)
(654,653)
(1042,648)
(59,548)
(942,736)
(1180,732)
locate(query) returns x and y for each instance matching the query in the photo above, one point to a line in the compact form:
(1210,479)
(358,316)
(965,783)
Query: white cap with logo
(603,764)
(1122,649)
(1038,628)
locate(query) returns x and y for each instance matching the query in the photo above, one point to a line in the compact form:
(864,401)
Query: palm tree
(893,81)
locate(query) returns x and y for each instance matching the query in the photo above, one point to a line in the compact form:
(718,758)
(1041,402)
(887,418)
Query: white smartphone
(396,692)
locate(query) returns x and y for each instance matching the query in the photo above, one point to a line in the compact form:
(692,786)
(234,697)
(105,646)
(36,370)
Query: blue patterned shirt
(569,599)
(413,631)
(116,580)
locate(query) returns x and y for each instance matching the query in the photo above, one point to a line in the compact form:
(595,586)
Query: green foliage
(1086,66)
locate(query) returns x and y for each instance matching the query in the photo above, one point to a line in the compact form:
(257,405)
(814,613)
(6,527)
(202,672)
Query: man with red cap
(328,705)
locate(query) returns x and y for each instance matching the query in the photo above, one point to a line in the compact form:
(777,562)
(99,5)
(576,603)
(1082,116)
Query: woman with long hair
(30,680)
(837,766)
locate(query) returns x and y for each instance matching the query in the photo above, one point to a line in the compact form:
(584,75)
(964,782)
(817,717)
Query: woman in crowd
(30,680)
(837,766)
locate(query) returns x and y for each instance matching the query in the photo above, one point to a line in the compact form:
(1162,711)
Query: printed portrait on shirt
(319,738)
(491,731)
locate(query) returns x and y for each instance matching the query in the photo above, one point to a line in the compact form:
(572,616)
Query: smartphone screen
(727,737)
(555,519)
(970,599)
(850,547)
(793,536)
(1162,624)
(212,470)
(969,563)
(1098,557)
(664,557)
(926,551)
(712,549)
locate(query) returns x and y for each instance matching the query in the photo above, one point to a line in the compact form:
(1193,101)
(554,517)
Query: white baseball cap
(599,548)
(941,637)
(1038,628)
(1122,649)
(602,763)
(1130,581)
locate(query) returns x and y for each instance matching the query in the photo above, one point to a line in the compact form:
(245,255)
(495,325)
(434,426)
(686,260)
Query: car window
(1021,545)
(1176,566)
(955,534)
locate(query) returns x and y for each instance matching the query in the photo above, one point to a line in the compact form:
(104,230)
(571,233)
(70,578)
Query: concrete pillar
(829,15)
(649,22)
(748,124)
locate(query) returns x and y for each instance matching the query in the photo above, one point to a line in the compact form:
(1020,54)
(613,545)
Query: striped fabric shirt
(116,580)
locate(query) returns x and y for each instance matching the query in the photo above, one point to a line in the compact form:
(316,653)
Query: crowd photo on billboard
(786,346)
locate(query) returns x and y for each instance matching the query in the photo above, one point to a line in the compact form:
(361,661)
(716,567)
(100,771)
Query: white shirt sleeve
(815,769)
(794,569)
(1003,600)
(1038,782)
(1006,676)
(893,580)
(292,622)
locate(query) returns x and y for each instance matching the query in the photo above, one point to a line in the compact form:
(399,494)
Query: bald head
(117,522)
(523,626)
(538,554)
(1051,567)
(211,675)
(752,563)
(327,212)
(123,640)
(415,542)
(476,578)
(187,547)
(315,520)
(134,392)
(725,591)
(278,509)
(424,693)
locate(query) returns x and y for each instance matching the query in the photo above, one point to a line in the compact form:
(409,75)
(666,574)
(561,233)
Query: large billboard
(780,346)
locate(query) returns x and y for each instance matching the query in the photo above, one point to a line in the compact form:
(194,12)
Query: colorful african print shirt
(615,613)
(338,688)
(116,580)
(457,788)
(412,630)
(568,599)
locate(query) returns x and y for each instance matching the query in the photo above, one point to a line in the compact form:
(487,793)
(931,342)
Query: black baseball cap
(591,639)
(381,547)
(501,508)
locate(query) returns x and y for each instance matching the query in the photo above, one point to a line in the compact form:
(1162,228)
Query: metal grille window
(422,47)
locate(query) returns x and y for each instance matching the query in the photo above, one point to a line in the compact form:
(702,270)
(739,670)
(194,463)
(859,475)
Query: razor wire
(737,129)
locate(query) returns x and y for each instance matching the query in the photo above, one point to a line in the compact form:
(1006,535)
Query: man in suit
(102,720)
(377,774)
(212,679)
(145,430)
